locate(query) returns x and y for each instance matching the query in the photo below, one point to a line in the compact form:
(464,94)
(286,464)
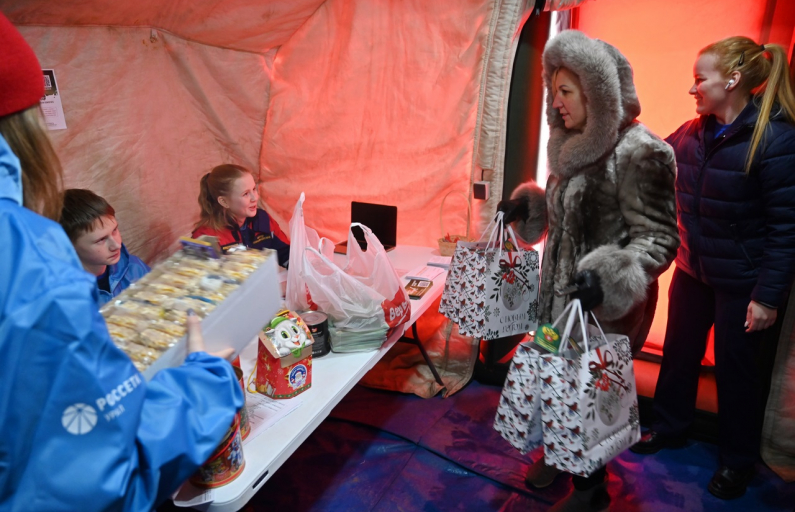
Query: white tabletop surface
(333,376)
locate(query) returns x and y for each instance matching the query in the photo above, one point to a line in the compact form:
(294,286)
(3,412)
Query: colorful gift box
(284,357)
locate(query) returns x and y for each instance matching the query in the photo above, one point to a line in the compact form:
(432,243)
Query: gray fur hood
(611,100)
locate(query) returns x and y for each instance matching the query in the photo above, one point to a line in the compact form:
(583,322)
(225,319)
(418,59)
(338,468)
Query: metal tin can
(245,427)
(318,326)
(225,464)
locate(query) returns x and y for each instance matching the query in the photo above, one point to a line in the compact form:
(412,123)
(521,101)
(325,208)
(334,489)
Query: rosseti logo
(79,419)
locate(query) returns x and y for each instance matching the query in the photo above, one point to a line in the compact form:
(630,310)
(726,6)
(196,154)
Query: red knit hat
(21,80)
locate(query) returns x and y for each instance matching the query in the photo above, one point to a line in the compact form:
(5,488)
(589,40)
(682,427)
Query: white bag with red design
(589,402)
(491,290)
(365,295)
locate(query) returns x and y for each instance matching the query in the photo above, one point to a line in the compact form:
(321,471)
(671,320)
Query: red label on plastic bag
(397,310)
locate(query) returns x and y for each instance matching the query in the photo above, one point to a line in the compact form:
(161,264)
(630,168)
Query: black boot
(728,484)
(653,442)
(595,499)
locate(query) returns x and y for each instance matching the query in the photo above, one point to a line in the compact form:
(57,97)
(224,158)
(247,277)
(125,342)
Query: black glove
(514,209)
(589,289)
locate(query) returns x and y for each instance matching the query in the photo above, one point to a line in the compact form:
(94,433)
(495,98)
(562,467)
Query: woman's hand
(196,340)
(759,317)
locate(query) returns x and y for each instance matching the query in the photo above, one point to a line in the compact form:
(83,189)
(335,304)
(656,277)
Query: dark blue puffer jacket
(737,231)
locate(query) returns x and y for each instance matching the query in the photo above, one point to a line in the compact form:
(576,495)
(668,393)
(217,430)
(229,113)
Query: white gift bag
(491,290)
(589,402)
(518,418)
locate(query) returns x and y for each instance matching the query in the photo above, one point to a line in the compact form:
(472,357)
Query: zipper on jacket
(737,240)
(699,184)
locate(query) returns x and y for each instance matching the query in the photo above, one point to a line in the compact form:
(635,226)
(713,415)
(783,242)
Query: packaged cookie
(122,335)
(151,297)
(168,327)
(157,340)
(205,264)
(130,321)
(142,309)
(233,275)
(139,353)
(239,266)
(176,281)
(176,316)
(189,271)
(167,290)
(252,256)
(183,304)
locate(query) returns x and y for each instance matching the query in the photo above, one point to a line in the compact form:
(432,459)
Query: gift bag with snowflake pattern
(589,403)
(518,418)
(491,289)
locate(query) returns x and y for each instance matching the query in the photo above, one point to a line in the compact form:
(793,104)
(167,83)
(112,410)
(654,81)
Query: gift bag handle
(492,227)
(598,325)
(469,212)
(575,313)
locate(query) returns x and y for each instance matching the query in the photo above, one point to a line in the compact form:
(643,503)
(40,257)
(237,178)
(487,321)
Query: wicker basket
(447,248)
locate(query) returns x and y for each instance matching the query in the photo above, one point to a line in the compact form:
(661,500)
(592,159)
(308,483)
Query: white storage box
(236,321)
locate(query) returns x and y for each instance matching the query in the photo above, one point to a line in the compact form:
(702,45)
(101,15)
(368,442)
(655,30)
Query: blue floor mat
(384,451)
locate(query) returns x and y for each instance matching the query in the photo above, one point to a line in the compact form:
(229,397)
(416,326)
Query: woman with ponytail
(228,200)
(735,192)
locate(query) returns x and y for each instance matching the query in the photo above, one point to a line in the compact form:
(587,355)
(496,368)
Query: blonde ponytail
(777,89)
(766,78)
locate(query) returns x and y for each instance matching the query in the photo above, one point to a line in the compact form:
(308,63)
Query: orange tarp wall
(661,40)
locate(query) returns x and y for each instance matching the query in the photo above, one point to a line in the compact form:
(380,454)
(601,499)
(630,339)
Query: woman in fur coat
(608,211)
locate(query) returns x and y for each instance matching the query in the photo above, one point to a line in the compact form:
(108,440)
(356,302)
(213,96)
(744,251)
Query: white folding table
(333,376)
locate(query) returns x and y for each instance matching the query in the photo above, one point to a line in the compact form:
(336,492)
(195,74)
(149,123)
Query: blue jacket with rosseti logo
(81,429)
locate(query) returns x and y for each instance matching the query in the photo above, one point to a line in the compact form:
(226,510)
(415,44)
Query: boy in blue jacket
(90,222)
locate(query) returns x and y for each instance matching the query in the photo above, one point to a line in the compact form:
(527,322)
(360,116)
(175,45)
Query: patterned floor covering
(381,451)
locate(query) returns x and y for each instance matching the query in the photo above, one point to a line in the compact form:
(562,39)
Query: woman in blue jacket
(81,429)
(735,193)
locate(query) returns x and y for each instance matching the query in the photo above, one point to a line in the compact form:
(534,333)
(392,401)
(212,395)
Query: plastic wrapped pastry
(129,321)
(151,297)
(122,335)
(176,281)
(239,266)
(157,340)
(164,289)
(141,308)
(189,271)
(209,265)
(170,328)
(253,256)
(140,354)
(176,316)
(200,307)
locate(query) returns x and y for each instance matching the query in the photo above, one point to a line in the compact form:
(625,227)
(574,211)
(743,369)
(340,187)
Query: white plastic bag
(364,295)
(301,237)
